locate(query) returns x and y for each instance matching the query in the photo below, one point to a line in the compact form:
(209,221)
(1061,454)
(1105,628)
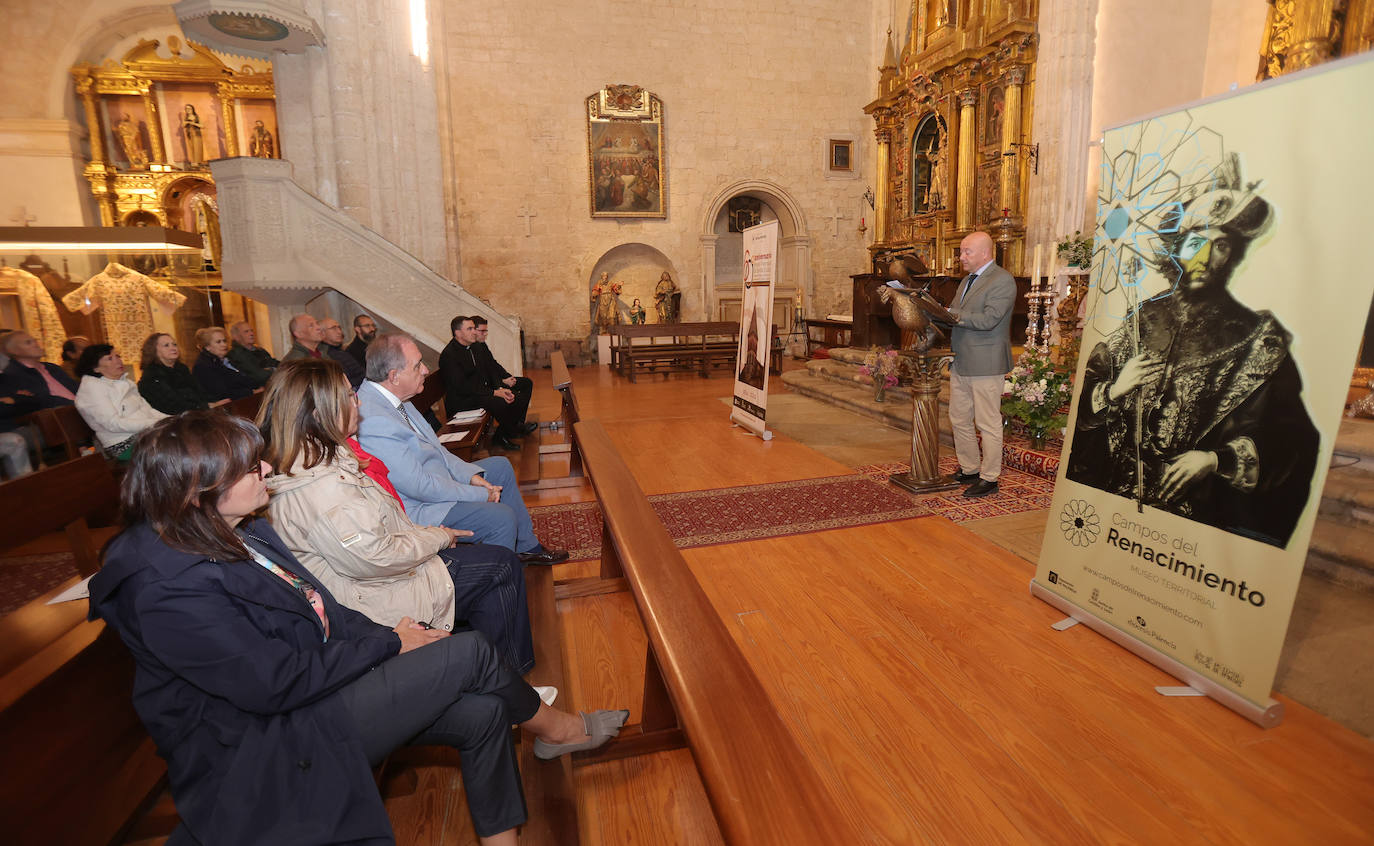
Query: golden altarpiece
(156,118)
(952,120)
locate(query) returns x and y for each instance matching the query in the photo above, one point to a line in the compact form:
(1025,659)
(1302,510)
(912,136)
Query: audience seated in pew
(167,383)
(332,347)
(110,403)
(71,351)
(353,534)
(267,698)
(29,383)
(215,372)
(437,487)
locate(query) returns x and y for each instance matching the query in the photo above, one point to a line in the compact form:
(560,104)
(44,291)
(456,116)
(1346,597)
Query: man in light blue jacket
(436,487)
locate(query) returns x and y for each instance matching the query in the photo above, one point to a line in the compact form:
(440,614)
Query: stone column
(708,276)
(154,122)
(1010,194)
(884,179)
(226,111)
(85,86)
(964,209)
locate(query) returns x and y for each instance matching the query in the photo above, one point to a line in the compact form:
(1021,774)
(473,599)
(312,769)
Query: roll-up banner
(1228,296)
(750,404)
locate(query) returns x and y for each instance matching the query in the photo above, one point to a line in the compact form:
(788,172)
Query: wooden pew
(63,427)
(245,407)
(698,685)
(680,346)
(567,419)
(80,766)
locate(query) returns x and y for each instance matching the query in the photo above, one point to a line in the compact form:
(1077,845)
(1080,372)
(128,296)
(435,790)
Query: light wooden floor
(917,670)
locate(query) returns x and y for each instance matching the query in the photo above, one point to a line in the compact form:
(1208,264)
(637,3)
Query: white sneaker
(547,693)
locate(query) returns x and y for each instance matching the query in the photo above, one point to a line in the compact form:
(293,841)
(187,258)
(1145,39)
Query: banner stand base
(751,428)
(1064,624)
(1264,716)
(1177,690)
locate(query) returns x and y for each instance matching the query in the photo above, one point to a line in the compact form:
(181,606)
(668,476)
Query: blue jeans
(506,523)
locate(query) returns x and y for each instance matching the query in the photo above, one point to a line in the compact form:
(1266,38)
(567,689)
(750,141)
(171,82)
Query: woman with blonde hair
(331,504)
(215,372)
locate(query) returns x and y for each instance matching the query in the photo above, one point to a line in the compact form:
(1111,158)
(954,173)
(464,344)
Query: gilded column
(85,86)
(880,206)
(964,210)
(1299,35)
(154,123)
(231,132)
(1011,134)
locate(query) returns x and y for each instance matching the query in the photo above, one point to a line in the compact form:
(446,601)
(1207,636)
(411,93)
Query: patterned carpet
(24,578)
(752,512)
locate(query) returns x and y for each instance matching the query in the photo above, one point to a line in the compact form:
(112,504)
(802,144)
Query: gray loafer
(600,726)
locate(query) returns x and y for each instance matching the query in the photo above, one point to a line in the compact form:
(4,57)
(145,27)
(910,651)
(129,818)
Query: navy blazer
(220,379)
(234,682)
(17,377)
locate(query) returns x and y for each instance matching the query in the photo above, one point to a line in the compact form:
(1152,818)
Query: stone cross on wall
(22,216)
(526,214)
(837,216)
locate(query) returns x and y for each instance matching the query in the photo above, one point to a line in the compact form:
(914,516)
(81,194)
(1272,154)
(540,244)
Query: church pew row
(698,687)
(81,767)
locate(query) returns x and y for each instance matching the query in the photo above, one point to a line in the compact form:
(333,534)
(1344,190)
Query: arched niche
(723,292)
(637,267)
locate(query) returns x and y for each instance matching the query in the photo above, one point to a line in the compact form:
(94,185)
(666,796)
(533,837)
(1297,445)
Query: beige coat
(354,537)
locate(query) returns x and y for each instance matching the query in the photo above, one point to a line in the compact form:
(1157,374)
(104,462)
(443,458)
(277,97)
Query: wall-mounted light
(1032,152)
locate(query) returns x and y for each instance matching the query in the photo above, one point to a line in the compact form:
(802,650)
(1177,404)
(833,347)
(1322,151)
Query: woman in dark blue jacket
(268,699)
(216,374)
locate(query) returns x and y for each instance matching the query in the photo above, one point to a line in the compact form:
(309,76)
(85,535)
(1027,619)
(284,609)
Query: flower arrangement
(1034,392)
(881,366)
(1076,250)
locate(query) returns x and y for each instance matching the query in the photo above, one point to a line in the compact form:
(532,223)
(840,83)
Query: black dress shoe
(964,478)
(526,428)
(982,487)
(501,442)
(543,556)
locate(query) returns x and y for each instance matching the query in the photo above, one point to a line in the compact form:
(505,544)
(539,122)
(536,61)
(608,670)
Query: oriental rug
(754,512)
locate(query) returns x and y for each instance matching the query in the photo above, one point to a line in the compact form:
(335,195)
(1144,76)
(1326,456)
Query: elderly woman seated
(167,383)
(268,699)
(110,403)
(215,373)
(353,535)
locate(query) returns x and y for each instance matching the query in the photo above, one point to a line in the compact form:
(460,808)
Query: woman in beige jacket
(354,536)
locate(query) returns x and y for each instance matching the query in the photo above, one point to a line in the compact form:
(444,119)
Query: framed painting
(626,156)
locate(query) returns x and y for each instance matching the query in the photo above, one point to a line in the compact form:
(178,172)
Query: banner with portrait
(1223,318)
(750,404)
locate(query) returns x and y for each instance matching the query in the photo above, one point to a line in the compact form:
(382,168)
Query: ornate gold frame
(621,120)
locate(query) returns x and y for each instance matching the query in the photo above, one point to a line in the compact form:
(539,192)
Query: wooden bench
(245,407)
(80,766)
(698,687)
(682,346)
(63,427)
(534,451)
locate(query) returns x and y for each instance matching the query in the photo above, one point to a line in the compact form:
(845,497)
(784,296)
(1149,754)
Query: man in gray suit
(436,487)
(981,339)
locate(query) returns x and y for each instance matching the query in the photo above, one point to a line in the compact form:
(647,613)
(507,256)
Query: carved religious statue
(195,141)
(607,313)
(667,298)
(262,145)
(132,143)
(637,313)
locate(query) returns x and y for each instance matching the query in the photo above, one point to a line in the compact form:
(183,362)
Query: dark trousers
(510,416)
(454,692)
(489,592)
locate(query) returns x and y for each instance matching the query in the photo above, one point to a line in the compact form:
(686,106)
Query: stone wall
(750,91)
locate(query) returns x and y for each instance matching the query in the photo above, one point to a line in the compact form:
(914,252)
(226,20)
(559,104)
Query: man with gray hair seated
(437,487)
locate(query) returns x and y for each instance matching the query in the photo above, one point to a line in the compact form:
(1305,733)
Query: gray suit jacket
(982,337)
(429,478)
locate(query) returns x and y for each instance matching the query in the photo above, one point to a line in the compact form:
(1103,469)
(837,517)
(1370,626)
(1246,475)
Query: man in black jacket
(364,330)
(332,347)
(520,385)
(252,360)
(467,385)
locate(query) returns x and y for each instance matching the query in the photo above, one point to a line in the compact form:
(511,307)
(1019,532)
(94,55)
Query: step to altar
(837,381)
